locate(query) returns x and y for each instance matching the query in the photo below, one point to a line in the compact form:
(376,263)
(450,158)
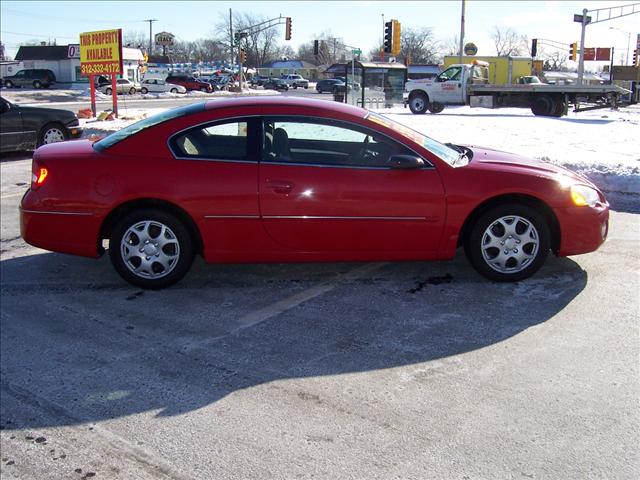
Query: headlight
(583,196)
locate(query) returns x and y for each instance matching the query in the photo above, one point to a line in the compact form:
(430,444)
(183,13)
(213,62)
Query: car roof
(273,101)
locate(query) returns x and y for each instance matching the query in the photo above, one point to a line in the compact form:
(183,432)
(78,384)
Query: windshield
(446,153)
(134,128)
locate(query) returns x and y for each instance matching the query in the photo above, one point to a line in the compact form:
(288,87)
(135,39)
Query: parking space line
(258,316)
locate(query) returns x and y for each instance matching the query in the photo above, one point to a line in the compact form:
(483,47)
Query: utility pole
(461,33)
(231,37)
(151,20)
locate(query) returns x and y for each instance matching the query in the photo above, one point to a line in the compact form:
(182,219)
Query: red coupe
(294,180)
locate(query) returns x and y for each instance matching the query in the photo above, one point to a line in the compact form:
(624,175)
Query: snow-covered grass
(603,145)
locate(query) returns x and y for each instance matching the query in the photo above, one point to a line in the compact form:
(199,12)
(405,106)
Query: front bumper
(582,229)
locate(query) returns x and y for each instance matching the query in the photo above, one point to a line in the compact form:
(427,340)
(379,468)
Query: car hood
(488,158)
(48,111)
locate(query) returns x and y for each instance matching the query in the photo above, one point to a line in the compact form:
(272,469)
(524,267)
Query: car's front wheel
(8,84)
(52,133)
(151,249)
(37,84)
(108,91)
(144,90)
(174,90)
(508,243)
(418,103)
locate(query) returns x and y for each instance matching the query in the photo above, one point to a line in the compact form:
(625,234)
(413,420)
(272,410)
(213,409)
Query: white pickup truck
(295,81)
(467,84)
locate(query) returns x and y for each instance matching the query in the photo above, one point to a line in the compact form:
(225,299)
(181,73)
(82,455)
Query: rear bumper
(582,229)
(73,232)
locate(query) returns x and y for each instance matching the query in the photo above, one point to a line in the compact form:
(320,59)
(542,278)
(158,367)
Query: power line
(39,35)
(66,19)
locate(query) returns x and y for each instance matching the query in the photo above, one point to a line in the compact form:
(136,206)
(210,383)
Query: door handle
(283,187)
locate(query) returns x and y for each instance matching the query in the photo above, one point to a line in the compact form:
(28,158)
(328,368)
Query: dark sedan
(26,128)
(275,84)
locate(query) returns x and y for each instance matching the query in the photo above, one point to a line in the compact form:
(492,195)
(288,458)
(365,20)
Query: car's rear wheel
(174,90)
(151,249)
(8,84)
(144,90)
(508,243)
(435,107)
(108,91)
(52,133)
(543,105)
(37,84)
(418,103)
(132,91)
(203,89)
(295,86)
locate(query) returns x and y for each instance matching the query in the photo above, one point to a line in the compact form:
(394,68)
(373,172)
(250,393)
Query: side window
(452,73)
(222,141)
(326,143)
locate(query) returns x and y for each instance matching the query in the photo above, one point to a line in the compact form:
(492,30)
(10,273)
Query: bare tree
(451,46)
(136,39)
(329,49)
(508,42)
(419,45)
(555,61)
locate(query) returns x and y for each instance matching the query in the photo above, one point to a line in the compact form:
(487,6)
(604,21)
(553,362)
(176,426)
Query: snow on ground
(603,145)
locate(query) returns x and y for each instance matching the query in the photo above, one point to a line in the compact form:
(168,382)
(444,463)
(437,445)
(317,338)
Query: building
(285,67)
(64,62)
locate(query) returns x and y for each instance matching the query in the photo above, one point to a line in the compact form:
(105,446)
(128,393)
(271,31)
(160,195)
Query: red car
(298,180)
(190,83)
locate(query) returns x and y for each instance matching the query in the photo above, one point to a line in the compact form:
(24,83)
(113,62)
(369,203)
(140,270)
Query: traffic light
(573,51)
(287,29)
(243,55)
(388,36)
(635,57)
(534,47)
(316,47)
(395,45)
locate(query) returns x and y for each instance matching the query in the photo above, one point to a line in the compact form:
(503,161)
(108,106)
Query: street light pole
(628,41)
(151,20)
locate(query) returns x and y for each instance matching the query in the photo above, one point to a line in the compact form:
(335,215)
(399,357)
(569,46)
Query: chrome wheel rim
(510,244)
(53,135)
(150,249)
(418,103)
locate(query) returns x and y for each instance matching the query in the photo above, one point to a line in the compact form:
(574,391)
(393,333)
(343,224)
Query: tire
(108,91)
(517,229)
(8,84)
(132,91)
(137,238)
(37,84)
(295,86)
(543,105)
(52,133)
(560,107)
(436,107)
(203,89)
(144,90)
(418,103)
(174,90)
(307,86)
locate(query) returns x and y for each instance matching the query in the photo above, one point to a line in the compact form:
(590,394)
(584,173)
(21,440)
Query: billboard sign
(73,50)
(101,52)
(164,39)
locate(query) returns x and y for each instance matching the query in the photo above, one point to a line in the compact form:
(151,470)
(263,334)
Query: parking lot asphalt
(339,371)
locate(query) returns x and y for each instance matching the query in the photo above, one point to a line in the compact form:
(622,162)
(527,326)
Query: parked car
(258,80)
(101,81)
(155,85)
(530,79)
(299,180)
(123,85)
(190,83)
(296,81)
(36,78)
(327,85)
(26,128)
(349,82)
(275,84)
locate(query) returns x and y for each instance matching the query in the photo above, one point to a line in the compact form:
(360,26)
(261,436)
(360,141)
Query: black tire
(559,109)
(543,105)
(436,107)
(144,90)
(8,84)
(132,91)
(295,86)
(203,89)
(52,133)
(37,84)
(177,235)
(108,91)
(532,243)
(174,90)
(306,86)
(418,103)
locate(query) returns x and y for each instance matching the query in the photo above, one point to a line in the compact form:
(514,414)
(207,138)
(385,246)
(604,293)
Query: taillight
(39,174)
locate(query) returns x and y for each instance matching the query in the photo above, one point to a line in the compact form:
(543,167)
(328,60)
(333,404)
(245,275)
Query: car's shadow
(78,345)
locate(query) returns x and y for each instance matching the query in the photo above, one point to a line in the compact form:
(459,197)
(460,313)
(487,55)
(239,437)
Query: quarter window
(327,143)
(224,141)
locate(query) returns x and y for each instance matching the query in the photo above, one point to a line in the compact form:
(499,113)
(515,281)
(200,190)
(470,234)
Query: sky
(359,24)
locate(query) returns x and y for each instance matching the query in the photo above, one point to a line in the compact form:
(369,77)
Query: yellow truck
(502,70)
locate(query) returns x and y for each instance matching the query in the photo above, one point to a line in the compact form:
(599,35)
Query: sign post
(101,54)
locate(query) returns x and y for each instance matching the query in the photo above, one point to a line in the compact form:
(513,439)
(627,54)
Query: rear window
(137,127)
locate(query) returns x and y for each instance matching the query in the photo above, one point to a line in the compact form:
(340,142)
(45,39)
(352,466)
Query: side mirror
(405,162)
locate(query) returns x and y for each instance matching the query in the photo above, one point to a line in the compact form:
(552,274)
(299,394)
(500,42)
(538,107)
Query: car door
(326,185)
(448,86)
(11,128)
